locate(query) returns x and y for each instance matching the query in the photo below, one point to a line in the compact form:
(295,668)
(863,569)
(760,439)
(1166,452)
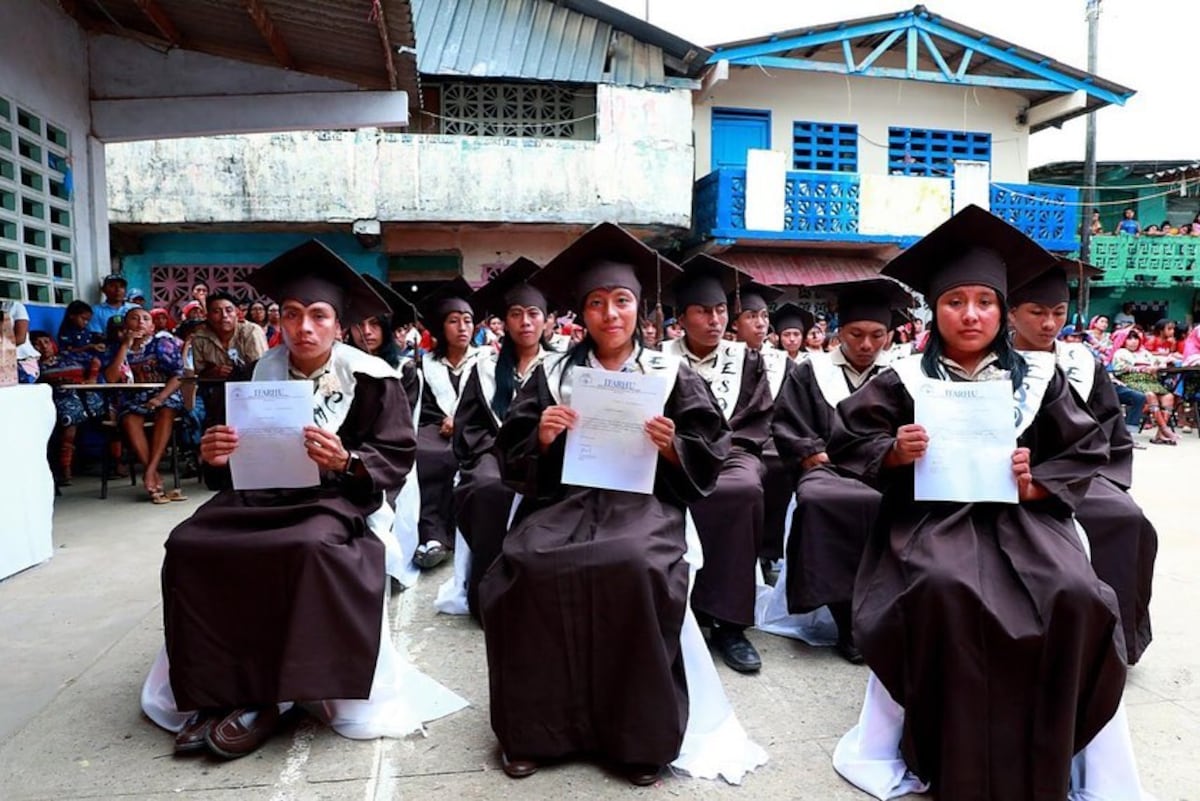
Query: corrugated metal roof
(779,268)
(334,38)
(530,40)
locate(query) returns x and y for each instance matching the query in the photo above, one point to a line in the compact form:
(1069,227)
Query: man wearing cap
(448,316)
(1123,542)
(114,303)
(750,321)
(226,347)
(730,520)
(835,513)
(277,595)
(996,653)
(481,499)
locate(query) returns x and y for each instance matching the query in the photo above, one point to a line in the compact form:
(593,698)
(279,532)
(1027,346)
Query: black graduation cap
(873,299)
(509,288)
(900,317)
(450,297)
(1050,288)
(751,296)
(789,315)
(605,256)
(403,312)
(972,247)
(706,281)
(311,273)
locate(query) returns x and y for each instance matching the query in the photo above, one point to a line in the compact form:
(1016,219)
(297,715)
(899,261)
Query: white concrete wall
(873,104)
(44,67)
(638,171)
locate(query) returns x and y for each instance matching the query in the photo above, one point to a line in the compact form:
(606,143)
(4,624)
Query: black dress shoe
(642,775)
(190,738)
(233,736)
(517,768)
(735,649)
(847,650)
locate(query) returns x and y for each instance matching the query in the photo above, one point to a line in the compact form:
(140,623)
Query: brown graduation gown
(1124,543)
(778,486)
(436,467)
(835,512)
(730,520)
(583,609)
(986,622)
(277,595)
(481,500)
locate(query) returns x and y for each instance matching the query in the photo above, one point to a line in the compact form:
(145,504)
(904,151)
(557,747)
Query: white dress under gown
(401,698)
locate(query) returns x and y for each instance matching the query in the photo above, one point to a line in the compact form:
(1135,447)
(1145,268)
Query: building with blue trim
(822,150)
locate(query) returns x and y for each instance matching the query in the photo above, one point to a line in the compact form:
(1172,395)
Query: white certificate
(972,436)
(609,448)
(269,417)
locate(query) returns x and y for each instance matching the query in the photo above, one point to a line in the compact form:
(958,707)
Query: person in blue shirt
(113,287)
(1128,225)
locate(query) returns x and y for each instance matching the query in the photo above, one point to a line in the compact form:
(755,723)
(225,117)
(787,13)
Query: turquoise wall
(224,248)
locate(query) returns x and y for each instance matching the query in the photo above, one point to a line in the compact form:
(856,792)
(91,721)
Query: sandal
(430,554)
(176,495)
(1163,441)
(159,497)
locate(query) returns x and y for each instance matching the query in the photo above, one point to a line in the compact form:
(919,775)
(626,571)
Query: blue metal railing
(825,206)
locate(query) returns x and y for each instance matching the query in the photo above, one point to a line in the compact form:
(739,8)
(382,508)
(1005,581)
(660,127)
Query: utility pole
(1089,163)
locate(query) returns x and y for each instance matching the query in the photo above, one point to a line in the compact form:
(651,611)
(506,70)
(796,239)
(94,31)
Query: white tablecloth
(26,485)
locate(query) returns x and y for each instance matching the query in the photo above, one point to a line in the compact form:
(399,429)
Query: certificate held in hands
(972,436)
(609,448)
(269,417)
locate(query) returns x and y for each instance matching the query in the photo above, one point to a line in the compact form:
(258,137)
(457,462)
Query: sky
(1146,45)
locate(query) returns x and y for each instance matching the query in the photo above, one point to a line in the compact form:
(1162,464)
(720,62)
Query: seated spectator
(142,358)
(114,304)
(814,340)
(1166,229)
(1152,230)
(1128,224)
(1187,229)
(192,311)
(199,296)
(136,297)
(163,324)
(1125,317)
(257,314)
(74,332)
(273,331)
(72,407)
(1161,343)
(1135,367)
(227,347)
(27,354)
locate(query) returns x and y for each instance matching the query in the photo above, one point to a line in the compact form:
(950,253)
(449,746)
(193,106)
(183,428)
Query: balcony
(828,207)
(1150,261)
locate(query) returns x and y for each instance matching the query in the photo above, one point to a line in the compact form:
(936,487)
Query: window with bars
(923,151)
(827,146)
(37,233)
(540,111)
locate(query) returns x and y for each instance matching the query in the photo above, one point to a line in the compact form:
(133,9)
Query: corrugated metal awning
(803,269)
(530,40)
(369,43)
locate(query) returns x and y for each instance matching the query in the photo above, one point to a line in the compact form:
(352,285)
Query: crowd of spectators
(1129,224)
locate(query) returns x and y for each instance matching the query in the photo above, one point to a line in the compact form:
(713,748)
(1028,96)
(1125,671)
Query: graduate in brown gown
(984,621)
(448,316)
(1123,542)
(481,499)
(835,512)
(750,320)
(730,520)
(582,612)
(277,595)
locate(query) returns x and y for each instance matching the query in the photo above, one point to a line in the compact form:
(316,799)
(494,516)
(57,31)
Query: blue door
(736,130)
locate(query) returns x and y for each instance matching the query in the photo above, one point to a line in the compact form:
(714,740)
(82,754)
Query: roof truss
(958,56)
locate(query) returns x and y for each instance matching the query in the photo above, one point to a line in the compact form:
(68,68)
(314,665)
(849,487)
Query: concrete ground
(78,633)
